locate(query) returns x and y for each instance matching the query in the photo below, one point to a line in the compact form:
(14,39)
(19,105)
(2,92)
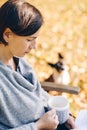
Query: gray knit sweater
(21,97)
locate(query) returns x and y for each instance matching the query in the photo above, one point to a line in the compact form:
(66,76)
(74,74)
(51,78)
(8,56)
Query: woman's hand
(70,123)
(49,121)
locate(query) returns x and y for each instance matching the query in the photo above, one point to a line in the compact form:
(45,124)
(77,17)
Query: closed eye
(29,40)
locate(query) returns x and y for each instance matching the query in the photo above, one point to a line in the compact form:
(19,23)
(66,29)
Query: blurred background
(65,31)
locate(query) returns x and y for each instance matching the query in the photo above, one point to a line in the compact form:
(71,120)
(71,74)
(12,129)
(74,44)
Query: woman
(22,100)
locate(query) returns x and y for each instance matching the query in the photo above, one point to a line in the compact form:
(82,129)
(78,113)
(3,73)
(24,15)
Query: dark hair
(21,17)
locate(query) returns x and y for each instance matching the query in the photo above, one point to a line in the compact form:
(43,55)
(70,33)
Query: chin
(20,56)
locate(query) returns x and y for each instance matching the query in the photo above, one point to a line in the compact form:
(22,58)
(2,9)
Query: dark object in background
(61,71)
(59,65)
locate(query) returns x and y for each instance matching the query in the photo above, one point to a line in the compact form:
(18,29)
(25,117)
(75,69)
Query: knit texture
(22,100)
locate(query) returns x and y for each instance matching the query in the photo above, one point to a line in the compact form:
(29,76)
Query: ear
(52,65)
(60,56)
(7,34)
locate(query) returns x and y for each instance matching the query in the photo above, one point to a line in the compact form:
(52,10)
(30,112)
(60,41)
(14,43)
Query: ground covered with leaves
(65,31)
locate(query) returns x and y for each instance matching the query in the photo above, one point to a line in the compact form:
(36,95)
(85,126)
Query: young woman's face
(21,45)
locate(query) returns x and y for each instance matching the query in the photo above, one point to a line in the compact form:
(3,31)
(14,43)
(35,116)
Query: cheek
(22,44)
(25,46)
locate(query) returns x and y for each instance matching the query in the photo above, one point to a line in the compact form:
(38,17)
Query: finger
(56,118)
(53,116)
(71,122)
(56,121)
(51,112)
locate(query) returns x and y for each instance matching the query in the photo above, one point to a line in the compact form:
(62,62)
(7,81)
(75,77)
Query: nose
(33,45)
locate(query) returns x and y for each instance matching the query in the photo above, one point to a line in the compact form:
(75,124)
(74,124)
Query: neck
(6,57)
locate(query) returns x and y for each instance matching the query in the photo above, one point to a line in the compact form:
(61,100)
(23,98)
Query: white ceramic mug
(61,105)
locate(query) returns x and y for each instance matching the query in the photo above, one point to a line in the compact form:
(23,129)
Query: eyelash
(29,40)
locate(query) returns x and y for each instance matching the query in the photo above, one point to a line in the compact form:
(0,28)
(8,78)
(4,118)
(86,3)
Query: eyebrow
(31,37)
